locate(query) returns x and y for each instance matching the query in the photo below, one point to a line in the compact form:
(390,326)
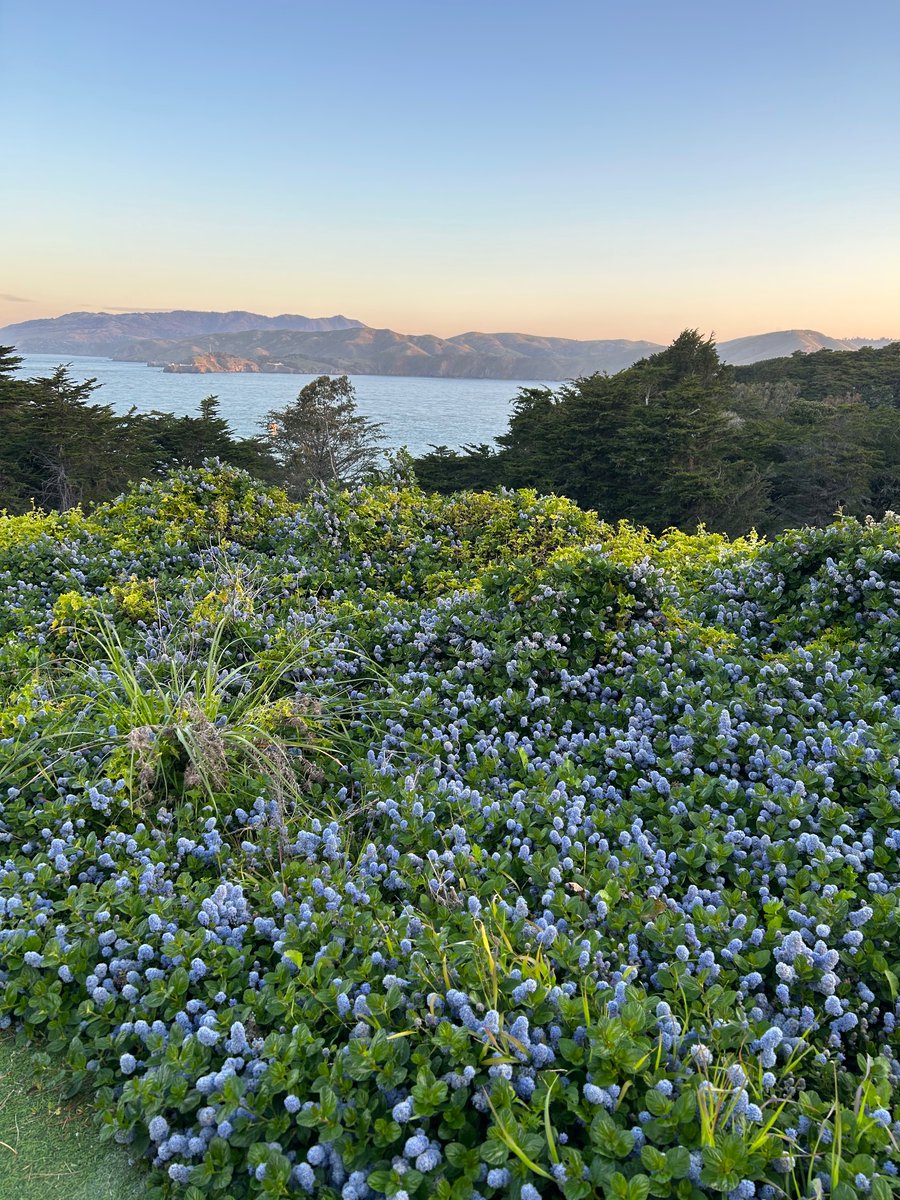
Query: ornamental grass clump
(199,711)
(460,846)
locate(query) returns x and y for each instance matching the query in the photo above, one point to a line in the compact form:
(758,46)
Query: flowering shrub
(459,847)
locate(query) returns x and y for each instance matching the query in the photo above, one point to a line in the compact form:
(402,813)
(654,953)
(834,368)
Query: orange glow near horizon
(605,171)
(628,319)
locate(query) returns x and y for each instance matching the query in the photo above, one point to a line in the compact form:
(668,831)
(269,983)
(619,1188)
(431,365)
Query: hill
(473,355)
(201,342)
(872,373)
(105,333)
(788,341)
(365,351)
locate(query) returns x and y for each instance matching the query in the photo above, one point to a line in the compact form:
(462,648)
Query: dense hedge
(457,846)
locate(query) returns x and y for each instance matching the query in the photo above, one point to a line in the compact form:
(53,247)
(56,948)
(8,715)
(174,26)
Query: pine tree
(321,438)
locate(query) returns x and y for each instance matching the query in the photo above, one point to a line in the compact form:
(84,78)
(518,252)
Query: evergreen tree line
(60,448)
(872,374)
(675,440)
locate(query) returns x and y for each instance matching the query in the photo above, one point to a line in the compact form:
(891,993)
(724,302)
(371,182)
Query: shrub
(585,879)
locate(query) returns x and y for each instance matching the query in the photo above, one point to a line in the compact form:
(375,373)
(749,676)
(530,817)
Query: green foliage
(871,374)
(59,448)
(590,838)
(673,441)
(321,438)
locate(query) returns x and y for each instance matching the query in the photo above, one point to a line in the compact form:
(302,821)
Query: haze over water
(417,412)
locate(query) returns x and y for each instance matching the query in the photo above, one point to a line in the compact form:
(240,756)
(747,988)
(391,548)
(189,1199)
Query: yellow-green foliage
(470,823)
(68,611)
(136,598)
(210,608)
(521,523)
(16,531)
(212,505)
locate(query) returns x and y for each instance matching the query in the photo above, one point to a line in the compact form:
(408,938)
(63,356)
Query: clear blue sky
(585,169)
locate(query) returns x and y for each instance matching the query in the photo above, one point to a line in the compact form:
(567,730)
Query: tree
(818,455)
(871,374)
(59,448)
(531,446)
(656,444)
(651,444)
(321,438)
(186,441)
(474,468)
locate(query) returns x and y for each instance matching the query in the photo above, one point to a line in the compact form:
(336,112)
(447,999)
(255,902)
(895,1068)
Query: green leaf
(653,1159)
(462,1189)
(657,1103)
(380,1180)
(638,1187)
(576,1189)
(493,1152)
(386,1132)
(328,1103)
(678,1161)
(618,1185)
(460,1156)
(892,983)
(844,1191)
(571,1051)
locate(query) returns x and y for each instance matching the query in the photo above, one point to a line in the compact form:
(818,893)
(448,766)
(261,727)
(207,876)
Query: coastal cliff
(211,364)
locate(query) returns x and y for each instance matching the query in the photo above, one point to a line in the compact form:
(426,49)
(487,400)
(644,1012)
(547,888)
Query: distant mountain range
(105,333)
(187,341)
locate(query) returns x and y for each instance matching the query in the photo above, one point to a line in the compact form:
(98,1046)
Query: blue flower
(158,1128)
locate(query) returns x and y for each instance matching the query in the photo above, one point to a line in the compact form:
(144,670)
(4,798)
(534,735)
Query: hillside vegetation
(458,847)
(675,440)
(871,374)
(670,441)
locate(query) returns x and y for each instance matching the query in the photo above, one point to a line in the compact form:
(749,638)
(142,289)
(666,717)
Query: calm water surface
(417,413)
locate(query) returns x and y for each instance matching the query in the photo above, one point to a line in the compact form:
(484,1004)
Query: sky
(590,169)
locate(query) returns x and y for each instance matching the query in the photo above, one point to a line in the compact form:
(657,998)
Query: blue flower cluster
(402,845)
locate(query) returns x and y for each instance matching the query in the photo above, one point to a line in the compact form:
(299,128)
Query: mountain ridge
(368,351)
(103,333)
(188,340)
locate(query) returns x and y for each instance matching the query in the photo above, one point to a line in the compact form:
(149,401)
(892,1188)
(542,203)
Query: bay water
(417,412)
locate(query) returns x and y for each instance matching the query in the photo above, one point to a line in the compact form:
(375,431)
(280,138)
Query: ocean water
(417,413)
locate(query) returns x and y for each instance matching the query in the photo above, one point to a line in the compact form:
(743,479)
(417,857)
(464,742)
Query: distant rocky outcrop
(210,364)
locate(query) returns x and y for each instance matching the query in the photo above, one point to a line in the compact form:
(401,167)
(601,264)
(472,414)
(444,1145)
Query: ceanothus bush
(464,846)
